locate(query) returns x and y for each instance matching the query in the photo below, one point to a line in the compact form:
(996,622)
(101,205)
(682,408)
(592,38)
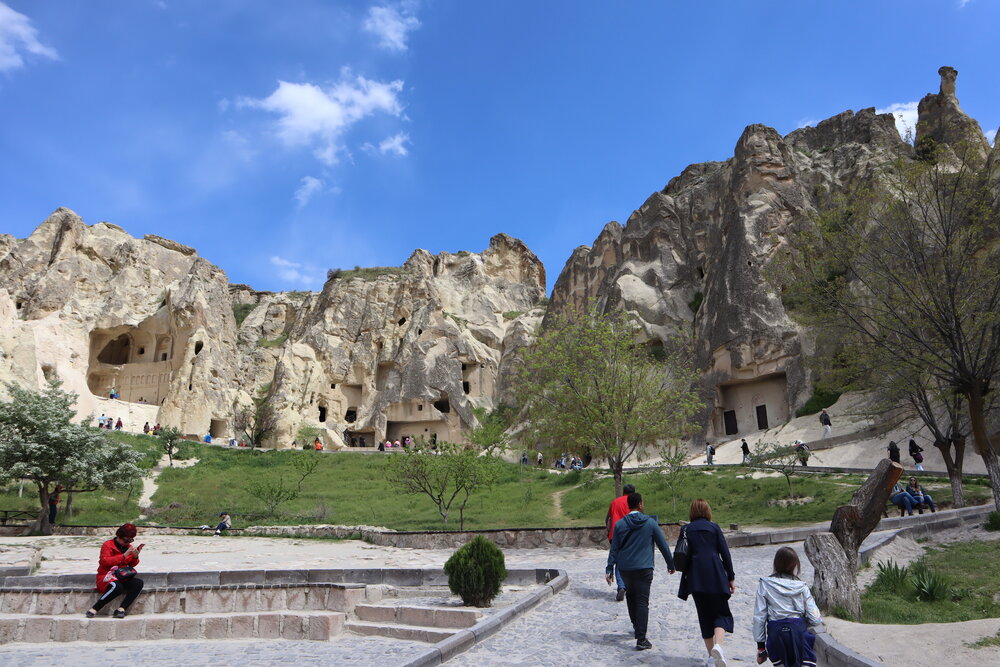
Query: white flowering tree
(40,443)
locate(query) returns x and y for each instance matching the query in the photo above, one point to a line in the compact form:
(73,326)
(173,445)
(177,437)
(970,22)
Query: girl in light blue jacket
(783,613)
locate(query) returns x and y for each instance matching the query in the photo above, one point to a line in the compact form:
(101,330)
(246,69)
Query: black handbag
(681,551)
(124,573)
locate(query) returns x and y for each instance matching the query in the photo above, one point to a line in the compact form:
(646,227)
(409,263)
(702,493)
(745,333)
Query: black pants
(130,587)
(637,585)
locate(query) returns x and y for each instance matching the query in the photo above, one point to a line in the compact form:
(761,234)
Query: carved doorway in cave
(729,417)
(116,352)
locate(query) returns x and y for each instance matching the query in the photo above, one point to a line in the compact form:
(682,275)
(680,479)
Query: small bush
(891,578)
(476,571)
(241,310)
(821,398)
(931,586)
(993,521)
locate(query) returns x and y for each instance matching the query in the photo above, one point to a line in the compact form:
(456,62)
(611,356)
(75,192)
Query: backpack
(711,450)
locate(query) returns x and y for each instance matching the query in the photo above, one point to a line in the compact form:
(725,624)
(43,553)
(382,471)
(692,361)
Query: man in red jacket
(618,509)
(116,553)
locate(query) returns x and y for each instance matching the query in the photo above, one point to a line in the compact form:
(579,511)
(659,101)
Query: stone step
(398,631)
(428,617)
(334,597)
(32,628)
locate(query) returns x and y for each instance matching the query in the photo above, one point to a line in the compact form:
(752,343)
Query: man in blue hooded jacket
(632,551)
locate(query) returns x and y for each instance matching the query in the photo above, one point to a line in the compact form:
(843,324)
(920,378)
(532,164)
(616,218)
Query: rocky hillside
(413,350)
(375,354)
(693,258)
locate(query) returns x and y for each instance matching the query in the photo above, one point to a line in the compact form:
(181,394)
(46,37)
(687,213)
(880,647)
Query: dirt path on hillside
(149,485)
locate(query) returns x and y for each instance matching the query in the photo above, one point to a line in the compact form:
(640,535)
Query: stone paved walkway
(580,626)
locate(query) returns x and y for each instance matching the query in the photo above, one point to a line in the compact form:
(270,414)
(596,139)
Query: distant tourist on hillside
(631,551)
(54,502)
(824,419)
(783,613)
(803,452)
(116,571)
(745,448)
(539,459)
(709,454)
(618,509)
(101,420)
(709,578)
(146,428)
(915,454)
(893,451)
(119,424)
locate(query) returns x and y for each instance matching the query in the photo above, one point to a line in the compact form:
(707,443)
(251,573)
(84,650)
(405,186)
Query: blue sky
(284,138)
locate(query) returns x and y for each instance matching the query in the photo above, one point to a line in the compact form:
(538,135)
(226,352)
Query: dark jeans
(130,587)
(637,585)
(53,508)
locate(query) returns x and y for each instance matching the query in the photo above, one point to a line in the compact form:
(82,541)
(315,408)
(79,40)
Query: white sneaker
(719,656)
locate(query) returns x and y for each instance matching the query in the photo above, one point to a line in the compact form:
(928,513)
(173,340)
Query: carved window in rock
(116,352)
(351,415)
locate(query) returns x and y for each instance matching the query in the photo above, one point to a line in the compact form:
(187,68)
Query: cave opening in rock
(351,415)
(198,345)
(218,428)
(442,405)
(322,413)
(466,387)
(116,351)
(402,321)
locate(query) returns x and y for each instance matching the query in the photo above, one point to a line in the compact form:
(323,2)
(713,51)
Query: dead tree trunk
(835,581)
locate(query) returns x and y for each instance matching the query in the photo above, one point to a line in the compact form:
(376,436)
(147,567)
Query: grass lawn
(352,489)
(972,577)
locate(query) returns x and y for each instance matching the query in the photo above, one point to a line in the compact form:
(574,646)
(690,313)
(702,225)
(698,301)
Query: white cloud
(310,187)
(991,136)
(295,272)
(396,144)
(310,115)
(963,3)
(807,122)
(17,35)
(906,117)
(391,26)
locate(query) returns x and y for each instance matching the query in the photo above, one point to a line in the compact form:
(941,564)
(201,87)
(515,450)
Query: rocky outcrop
(693,259)
(942,120)
(375,354)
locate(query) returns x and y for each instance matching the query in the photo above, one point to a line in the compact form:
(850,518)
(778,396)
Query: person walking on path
(783,613)
(709,453)
(915,454)
(803,451)
(893,451)
(618,509)
(745,448)
(824,419)
(709,578)
(112,579)
(538,459)
(632,553)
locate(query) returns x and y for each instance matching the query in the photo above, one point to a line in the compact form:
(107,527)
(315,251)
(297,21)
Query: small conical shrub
(476,572)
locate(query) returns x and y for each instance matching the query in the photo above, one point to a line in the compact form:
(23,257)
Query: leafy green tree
(909,265)
(490,434)
(587,384)
(449,476)
(170,438)
(40,443)
(257,421)
(272,493)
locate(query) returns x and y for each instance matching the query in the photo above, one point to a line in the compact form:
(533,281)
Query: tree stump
(834,555)
(835,581)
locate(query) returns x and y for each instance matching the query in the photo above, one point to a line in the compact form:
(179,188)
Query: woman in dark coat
(893,451)
(709,578)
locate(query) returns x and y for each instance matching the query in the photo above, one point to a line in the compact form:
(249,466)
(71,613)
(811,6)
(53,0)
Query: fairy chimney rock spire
(948,76)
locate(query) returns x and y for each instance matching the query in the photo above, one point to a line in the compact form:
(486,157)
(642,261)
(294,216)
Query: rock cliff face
(410,351)
(692,259)
(413,350)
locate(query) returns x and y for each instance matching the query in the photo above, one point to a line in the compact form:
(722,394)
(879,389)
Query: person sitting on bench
(920,496)
(902,499)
